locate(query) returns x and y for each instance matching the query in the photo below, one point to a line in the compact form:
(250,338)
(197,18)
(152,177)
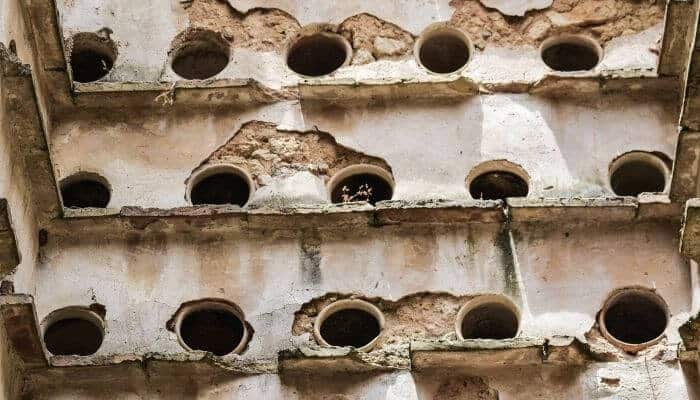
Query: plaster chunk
(516,7)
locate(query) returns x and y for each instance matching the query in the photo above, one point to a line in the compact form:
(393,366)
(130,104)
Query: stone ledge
(20,322)
(394,212)
(309,358)
(9,253)
(690,232)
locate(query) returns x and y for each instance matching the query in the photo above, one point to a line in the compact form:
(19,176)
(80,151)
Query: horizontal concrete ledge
(312,358)
(394,212)
(243,92)
(488,353)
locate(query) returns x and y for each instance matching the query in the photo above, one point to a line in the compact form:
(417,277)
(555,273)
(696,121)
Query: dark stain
(310,257)
(507,259)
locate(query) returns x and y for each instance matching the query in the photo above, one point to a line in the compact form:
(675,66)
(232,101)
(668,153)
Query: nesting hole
(635,317)
(222,187)
(200,54)
(636,173)
(73,335)
(85,190)
(217,331)
(350,327)
(92,57)
(571,53)
(490,321)
(497,185)
(319,54)
(360,183)
(444,51)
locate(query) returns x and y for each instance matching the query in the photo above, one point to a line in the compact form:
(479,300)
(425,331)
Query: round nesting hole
(91,57)
(443,50)
(200,54)
(361,182)
(488,317)
(85,190)
(73,331)
(221,185)
(571,53)
(318,54)
(497,180)
(353,323)
(634,318)
(215,327)
(638,172)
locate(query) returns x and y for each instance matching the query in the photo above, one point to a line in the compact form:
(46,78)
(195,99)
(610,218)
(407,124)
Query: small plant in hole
(498,185)
(350,327)
(362,187)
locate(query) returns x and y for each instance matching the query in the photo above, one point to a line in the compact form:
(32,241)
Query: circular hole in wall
(571,53)
(488,317)
(221,184)
(354,323)
(218,331)
(318,54)
(200,54)
(73,331)
(497,180)
(361,183)
(91,57)
(638,172)
(443,50)
(84,189)
(634,318)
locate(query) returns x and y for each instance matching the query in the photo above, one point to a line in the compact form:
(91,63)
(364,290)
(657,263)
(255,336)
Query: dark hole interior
(444,53)
(200,60)
(350,327)
(490,321)
(90,65)
(635,177)
(215,331)
(316,55)
(222,188)
(73,336)
(635,319)
(362,187)
(570,57)
(85,193)
(498,185)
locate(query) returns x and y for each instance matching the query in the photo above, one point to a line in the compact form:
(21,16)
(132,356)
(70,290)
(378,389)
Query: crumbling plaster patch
(266,152)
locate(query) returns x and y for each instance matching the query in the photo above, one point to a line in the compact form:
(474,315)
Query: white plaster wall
(144,31)
(565,146)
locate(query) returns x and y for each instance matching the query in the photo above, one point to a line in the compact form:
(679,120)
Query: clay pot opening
(443,50)
(349,323)
(634,318)
(319,54)
(220,185)
(85,190)
(638,172)
(488,317)
(91,57)
(75,331)
(200,54)
(498,180)
(217,327)
(361,182)
(570,53)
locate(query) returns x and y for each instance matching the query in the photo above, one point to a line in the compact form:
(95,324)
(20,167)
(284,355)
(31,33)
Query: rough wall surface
(517,192)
